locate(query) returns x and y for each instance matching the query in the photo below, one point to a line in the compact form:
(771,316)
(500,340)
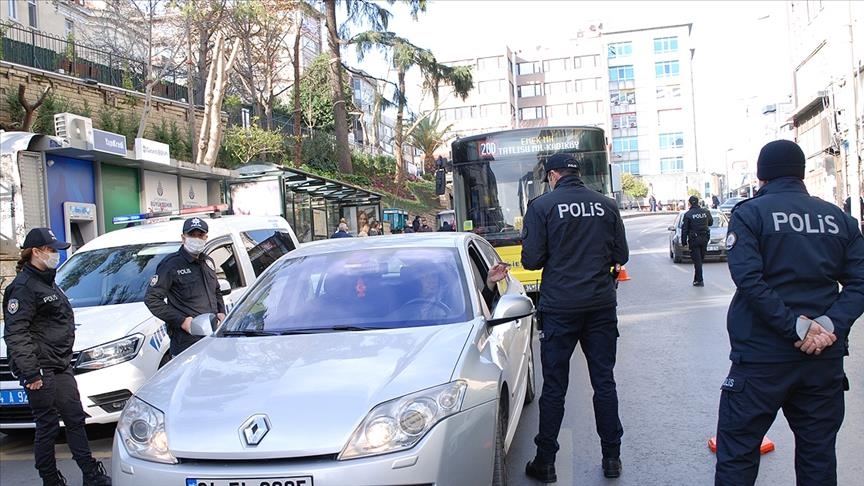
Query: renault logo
(254,429)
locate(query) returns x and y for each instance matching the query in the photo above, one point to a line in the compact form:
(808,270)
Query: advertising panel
(160,192)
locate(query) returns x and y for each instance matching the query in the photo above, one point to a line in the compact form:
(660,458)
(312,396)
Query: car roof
(170,231)
(444,239)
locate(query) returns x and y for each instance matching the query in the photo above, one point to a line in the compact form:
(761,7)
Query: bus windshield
(495,175)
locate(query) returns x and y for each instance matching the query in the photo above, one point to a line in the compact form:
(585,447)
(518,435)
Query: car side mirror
(224,287)
(511,307)
(203,325)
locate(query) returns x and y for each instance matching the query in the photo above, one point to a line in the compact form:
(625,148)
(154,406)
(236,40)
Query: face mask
(194,245)
(52,260)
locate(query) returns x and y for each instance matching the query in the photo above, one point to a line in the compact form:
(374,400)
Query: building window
(588,108)
(463,112)
(70,29)
(625,144)
(671,91)
(587,84)
(558,111)
(528,67)
(13,9)
(671,140)
(629,167)
(532,113)
(669,165)
(624,97)
(624,120)
(585,61)
(665,44)
(670,119)
(666,69)
(555,65)
(490,87)
(529,90)
(491,110)
(620,49)
(31,13)
(621,73)
(488,63)
(558,88)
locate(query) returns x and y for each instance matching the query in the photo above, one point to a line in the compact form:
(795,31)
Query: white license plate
(532,287)
(713,248)
(13,397)
(289,481)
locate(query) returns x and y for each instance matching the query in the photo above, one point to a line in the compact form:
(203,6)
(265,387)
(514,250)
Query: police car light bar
(134,218)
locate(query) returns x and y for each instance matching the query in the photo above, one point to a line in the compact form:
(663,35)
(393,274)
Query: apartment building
(636,84)
(827,49)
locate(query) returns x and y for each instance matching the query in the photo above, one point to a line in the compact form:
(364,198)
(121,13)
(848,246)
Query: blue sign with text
(109,142)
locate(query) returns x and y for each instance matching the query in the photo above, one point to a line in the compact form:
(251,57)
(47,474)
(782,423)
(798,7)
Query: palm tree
(405,55)
(358,11)
(426,137)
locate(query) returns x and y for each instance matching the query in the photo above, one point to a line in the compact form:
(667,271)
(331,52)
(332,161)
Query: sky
(740,47)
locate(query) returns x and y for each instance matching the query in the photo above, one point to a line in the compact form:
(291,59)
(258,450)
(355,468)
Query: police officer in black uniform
(798,265)
(576,236)
(187,280)
(40,332)
(695,233)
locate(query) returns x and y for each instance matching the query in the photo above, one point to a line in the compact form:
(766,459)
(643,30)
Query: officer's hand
(816,340)
(220,316)
(34,385)
(187,325)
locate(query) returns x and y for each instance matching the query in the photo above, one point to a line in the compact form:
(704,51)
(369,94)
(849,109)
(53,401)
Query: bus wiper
(248,332)
(316,330)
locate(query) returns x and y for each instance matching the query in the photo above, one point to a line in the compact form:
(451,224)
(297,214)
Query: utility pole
(853,147)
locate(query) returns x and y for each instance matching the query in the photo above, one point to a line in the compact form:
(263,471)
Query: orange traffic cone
(766,447)
(622,274)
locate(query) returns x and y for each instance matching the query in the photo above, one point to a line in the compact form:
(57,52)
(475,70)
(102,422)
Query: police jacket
(787,252)
(697,224)
(40,325)
(190,286)
(575,235)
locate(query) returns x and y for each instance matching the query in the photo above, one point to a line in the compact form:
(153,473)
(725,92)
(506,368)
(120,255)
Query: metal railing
(43,51)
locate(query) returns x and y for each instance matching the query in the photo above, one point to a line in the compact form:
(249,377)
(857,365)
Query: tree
(427,137)
(633,186)
(316,98)
(30,108)
(301,10)
(214,91)
(245,144)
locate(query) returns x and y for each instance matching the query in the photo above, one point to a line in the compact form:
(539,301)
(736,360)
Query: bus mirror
(440,182)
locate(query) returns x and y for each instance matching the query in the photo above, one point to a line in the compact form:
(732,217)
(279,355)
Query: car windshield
(117,275)
(373,289)
(732,201)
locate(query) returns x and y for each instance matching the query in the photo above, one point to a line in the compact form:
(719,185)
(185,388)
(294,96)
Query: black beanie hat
(780,158)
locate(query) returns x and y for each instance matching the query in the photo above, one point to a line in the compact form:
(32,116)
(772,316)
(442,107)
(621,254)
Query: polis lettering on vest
(802,223)
(581,209)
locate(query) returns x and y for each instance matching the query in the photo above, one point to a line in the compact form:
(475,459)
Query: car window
(226,264)
(117,275)
(265,247)
(386,288)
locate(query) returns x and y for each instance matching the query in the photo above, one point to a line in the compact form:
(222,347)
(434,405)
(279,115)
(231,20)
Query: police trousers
(597,332)
(810,393)
(698,247)
(58,398)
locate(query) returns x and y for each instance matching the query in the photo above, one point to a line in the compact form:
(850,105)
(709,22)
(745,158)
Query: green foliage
(243,145)
(316,98)
(170,134)
(427,137)
(319,153)
(373,164)
(694,192)
(116,121)
(633,186)
(14,108)
(53,104)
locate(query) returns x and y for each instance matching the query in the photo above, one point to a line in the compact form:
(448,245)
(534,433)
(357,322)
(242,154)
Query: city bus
(496,174)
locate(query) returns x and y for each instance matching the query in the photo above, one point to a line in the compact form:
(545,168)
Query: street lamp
(726,194)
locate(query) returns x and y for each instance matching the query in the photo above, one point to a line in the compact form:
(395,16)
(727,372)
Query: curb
(640,214)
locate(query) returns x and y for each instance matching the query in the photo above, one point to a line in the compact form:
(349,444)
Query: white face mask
(194,245)
(52,260)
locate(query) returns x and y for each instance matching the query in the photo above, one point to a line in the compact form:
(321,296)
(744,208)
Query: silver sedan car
(358,361)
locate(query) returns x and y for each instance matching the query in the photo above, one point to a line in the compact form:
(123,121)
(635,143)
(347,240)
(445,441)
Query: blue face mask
(52,260)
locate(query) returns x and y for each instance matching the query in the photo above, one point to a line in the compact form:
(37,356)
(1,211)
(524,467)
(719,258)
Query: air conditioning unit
(615,124)
(632,124)
(75,129)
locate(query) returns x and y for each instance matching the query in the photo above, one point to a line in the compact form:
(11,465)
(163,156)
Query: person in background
(374,228)
(695,234)
(185,286)
(576,235)
(799,289)
(342,232)
(415,225)
(424,226)
(445,226)
(39,335)
(715,201)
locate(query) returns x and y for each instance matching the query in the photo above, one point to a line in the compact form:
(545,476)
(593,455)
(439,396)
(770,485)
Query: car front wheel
(499,466)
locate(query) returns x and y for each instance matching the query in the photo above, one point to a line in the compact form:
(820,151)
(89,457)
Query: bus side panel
(513,255)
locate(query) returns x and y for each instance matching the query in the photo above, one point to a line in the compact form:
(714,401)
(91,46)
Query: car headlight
(400,423)
(142,431)
(110,354)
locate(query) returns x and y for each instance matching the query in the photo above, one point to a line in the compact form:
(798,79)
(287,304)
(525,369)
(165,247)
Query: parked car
(343,364)
(119,344)
(726,206)
(716,245)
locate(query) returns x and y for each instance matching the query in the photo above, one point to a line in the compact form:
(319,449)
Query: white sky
(740,46)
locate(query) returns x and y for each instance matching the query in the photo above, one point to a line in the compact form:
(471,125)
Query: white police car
(119,344)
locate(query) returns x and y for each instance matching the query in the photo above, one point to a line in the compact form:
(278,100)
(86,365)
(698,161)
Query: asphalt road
(672,358)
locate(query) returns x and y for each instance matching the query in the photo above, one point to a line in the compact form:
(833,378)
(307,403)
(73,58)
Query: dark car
(726,206)
(716,245)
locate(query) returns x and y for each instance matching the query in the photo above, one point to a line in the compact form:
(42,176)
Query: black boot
(611,467)
(96,476)
(54,479)
(543,472)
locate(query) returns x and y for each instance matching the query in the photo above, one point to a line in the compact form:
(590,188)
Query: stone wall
(97,96)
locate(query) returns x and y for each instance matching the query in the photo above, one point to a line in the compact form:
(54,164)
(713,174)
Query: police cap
(193,224)
(693,200)
(38,237)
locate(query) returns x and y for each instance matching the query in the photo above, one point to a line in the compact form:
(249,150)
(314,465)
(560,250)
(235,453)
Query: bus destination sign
(492,147)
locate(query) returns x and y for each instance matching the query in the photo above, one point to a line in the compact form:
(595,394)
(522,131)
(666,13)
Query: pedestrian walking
(40,332)
(576,235)
(798,267)
(695,234)
(185,286)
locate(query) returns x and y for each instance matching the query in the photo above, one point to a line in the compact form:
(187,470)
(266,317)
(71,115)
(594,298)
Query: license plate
(713,247)
(289,481)
(13,397)
(532,287)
